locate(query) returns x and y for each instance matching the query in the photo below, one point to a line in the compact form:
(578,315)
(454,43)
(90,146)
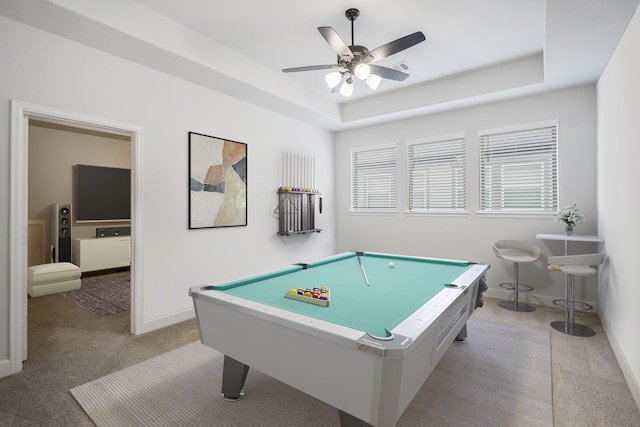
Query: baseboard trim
(531,298)
(5,368)
(164,321)
(632,382)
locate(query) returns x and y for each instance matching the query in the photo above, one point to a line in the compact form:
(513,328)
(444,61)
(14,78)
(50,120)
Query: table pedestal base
(574,329)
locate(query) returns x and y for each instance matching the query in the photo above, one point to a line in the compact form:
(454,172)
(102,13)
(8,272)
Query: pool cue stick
(364,273)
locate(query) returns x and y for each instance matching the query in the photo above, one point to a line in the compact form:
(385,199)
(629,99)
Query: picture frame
(217,182)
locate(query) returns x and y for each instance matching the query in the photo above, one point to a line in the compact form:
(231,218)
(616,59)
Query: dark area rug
(103,295)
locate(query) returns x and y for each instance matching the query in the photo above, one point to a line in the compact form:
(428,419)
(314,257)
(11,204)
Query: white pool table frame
(371,380)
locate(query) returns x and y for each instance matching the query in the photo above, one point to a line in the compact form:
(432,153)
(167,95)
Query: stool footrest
(579,305)
(511,286)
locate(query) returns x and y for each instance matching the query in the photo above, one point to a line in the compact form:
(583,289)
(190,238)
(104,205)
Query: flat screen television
(103,194)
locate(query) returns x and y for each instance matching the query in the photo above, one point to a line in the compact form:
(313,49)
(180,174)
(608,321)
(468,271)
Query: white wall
(47,70)
(470,236)
(619,200)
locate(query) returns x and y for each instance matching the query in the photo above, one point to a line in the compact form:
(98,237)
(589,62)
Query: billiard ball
(391,265)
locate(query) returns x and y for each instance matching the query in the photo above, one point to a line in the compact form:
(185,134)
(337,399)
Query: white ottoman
(46,279)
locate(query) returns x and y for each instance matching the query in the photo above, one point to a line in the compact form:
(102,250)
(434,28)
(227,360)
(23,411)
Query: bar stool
(572,266)
(516,252)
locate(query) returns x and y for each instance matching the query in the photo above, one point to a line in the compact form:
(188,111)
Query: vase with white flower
(571,216)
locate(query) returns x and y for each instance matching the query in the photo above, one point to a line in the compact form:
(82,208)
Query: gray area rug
(500,377)
(103,295)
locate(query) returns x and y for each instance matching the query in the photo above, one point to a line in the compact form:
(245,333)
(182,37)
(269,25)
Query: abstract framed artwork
(217,182)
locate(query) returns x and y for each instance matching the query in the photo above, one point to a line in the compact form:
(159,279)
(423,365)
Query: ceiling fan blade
(388,73)
(397,45)
(336,42)
(311,68)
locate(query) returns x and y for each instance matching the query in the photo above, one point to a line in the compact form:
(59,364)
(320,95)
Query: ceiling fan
(356,60)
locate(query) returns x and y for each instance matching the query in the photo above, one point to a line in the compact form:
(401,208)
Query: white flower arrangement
(570,215)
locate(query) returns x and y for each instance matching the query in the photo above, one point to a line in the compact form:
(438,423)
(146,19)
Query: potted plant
(571,216)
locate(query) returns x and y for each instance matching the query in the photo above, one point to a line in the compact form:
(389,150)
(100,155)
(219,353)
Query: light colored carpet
(500,377)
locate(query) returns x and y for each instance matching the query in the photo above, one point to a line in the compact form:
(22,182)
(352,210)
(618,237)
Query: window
(519,169)
(373,178)
(437,174)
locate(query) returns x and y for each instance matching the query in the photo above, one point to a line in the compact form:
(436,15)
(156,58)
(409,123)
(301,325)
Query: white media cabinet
(101,253)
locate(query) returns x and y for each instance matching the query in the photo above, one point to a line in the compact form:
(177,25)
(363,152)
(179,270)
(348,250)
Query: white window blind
(519,170)
(437,175)
(373,178)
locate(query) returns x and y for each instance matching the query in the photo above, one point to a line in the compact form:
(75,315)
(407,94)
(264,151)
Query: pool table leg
(234,375)
(348,420)
(462,335)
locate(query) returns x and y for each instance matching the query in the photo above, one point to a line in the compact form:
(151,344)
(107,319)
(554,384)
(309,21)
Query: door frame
(41,226)
(21,112)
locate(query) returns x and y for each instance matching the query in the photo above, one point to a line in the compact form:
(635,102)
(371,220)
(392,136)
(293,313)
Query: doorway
(22,113)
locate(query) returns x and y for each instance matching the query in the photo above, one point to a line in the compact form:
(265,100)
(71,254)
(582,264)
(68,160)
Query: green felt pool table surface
(393,293)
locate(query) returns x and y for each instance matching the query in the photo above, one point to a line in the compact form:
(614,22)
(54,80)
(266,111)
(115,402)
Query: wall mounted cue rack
(296,211)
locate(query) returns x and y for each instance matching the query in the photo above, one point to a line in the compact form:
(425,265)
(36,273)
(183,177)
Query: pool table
(388,321)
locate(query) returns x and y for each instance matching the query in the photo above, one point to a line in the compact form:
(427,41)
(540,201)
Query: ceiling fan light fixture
(347,88)
(373,81)
(333,79)
(362,71)
(359,61)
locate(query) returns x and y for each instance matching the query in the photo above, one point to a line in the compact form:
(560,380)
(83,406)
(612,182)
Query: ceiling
(281,34)
(476,51)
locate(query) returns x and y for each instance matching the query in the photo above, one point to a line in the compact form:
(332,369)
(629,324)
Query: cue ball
(391,265)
